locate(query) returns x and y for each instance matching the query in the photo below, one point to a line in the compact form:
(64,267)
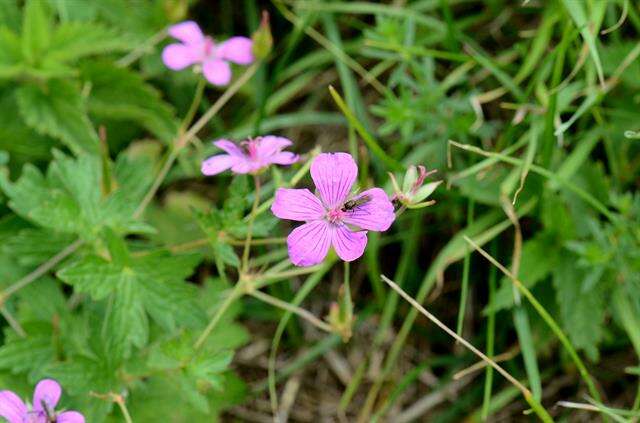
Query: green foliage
(112,296)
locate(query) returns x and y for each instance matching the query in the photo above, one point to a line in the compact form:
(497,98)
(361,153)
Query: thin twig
(13,322)
(187,136)
(40,270)
(455,336)
(555,328)
(276,302)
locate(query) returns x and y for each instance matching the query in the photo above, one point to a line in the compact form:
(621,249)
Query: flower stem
(293,309)
(197,98)
(123,407)
(252,218)
(183,139)
(234,295)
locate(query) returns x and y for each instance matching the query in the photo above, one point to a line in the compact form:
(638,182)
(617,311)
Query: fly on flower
(197,49)
(335,218)
(45,398)
(251,156)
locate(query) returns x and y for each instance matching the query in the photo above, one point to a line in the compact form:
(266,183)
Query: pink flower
(45,399)
(335,219)
(252,156)
(196,48)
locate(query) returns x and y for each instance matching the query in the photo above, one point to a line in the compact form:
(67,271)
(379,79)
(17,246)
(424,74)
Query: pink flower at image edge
(251,156)
(45,398)
(197,49)
(329,219)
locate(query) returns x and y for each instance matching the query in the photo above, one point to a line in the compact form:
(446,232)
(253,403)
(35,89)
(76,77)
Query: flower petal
(297,204)
(271,144)
(188,32)
(228,146)
(244,165)
(377,214)
(217,164)
(349,245)
(334,175)
(284,158)
(178,56)
(237,50)
(70,417)
(218,72)
(12,407)
(309,243)
(46,395)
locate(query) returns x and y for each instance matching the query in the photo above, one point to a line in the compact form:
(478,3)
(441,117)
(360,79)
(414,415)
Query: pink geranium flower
(198,49)
(251,156)
(45,398)
(337,218)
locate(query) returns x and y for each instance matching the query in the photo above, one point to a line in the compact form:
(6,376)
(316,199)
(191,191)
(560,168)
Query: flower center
(335,215)
(251,148)
(208,47)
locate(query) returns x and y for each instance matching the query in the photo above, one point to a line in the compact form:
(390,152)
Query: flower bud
(414,193)
(262,39)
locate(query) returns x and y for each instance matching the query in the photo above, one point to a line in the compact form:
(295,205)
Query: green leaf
(14,133)
(120,94)
(539,257)
(30,247)
(57,109)
(153,283)
(10,54)
(10,14)
(126,321)
(36,29)
(27,354)
(75,40)
(582,314)
(69,199)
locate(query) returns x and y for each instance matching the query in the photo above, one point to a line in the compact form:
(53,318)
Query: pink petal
(11,407)
(218,72)
(334,175)
(244,165)
(297,204)
(70,417)
(309,243)
(217,164)
(178,56)
(188,32)
(46,395)
(377,214)
(228,146)
(284,158)
(237,50)
(271,144)
(349,245)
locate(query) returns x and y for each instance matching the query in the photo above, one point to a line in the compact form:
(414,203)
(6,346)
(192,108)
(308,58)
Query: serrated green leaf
(75,40)
(14,133)
(69,199)
(582,314)
(539,256)
(36,29)
(158,279)
(27,354)
(30,247)
(126,321)
(57,109)
(120,94)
